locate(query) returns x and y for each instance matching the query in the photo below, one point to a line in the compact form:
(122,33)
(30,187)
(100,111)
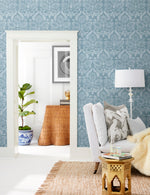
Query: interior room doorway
(13,40)
(43,66)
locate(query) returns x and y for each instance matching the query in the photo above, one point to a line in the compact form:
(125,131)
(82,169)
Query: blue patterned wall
(113,34)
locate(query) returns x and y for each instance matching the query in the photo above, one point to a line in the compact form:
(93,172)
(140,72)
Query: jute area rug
(77,178)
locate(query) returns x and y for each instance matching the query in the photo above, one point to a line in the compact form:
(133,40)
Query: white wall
(35,67)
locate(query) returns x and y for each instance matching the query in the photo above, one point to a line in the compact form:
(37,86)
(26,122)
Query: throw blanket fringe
(141,151)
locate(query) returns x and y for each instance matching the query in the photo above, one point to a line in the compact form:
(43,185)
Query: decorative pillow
(136,125)
(116,121)
(100,124)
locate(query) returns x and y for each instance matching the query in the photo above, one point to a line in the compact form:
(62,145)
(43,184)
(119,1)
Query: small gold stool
(116,176)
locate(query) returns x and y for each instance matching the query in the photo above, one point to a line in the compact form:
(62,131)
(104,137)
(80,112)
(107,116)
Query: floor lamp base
(130,101)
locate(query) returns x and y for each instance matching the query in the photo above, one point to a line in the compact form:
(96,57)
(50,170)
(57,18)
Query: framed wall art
(61,63)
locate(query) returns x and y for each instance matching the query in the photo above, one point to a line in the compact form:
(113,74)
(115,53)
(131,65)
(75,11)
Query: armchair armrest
(91,131)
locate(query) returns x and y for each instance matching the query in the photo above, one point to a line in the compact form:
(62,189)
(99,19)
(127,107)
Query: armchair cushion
(116,120)
(136,125)
(100,124)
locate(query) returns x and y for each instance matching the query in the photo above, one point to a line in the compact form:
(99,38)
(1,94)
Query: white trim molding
(12,39)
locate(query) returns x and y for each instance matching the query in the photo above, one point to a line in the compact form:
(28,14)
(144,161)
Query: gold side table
(116,172)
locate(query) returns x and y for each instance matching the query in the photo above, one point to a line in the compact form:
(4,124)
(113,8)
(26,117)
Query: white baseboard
(77,154)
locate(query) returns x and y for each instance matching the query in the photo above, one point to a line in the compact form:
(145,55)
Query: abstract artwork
(61,64)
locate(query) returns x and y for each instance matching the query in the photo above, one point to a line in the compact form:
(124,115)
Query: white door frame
(12,39)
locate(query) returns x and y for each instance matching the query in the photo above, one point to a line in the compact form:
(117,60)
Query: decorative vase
(67,94)
(25,137)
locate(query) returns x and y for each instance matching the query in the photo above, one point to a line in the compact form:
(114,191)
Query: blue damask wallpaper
(113,34)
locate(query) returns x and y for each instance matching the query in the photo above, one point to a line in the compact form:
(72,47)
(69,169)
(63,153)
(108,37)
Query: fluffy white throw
(141,151)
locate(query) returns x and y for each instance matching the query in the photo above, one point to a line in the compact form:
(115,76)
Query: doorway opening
(14,39)
(37,64)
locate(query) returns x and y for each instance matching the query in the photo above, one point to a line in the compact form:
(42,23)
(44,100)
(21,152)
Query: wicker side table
(56,126)
(116,172)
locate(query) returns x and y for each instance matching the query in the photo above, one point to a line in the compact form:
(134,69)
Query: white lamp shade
(129,78)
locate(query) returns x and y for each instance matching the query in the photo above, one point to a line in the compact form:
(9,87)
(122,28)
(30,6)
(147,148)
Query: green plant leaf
(30,93)
(21,94)
(26,113)
(30,102)
(29,113)
(26,86)
(26,127)
(20,109)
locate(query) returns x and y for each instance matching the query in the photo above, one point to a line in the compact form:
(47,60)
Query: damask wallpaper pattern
(113,34)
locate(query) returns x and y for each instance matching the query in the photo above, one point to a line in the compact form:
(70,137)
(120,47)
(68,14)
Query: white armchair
(95,147)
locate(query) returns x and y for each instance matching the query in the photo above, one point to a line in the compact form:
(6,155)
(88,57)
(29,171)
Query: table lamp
(129,78)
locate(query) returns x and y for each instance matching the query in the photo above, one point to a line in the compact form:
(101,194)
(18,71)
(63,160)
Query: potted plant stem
(25,132)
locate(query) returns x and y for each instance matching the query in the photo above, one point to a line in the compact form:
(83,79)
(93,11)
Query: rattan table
(56,126)
(116,176)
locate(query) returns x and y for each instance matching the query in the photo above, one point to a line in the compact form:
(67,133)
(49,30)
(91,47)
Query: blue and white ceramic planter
(25,137)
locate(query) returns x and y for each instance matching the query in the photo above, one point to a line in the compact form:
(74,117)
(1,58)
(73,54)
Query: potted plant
(25,132)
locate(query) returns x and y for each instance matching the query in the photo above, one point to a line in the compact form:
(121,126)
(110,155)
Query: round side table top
(108,160)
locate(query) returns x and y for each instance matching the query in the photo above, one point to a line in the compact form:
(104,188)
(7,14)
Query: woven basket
(56,126)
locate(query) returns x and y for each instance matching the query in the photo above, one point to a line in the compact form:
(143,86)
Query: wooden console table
(56,126)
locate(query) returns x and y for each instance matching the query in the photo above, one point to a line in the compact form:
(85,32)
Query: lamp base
(130,100)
